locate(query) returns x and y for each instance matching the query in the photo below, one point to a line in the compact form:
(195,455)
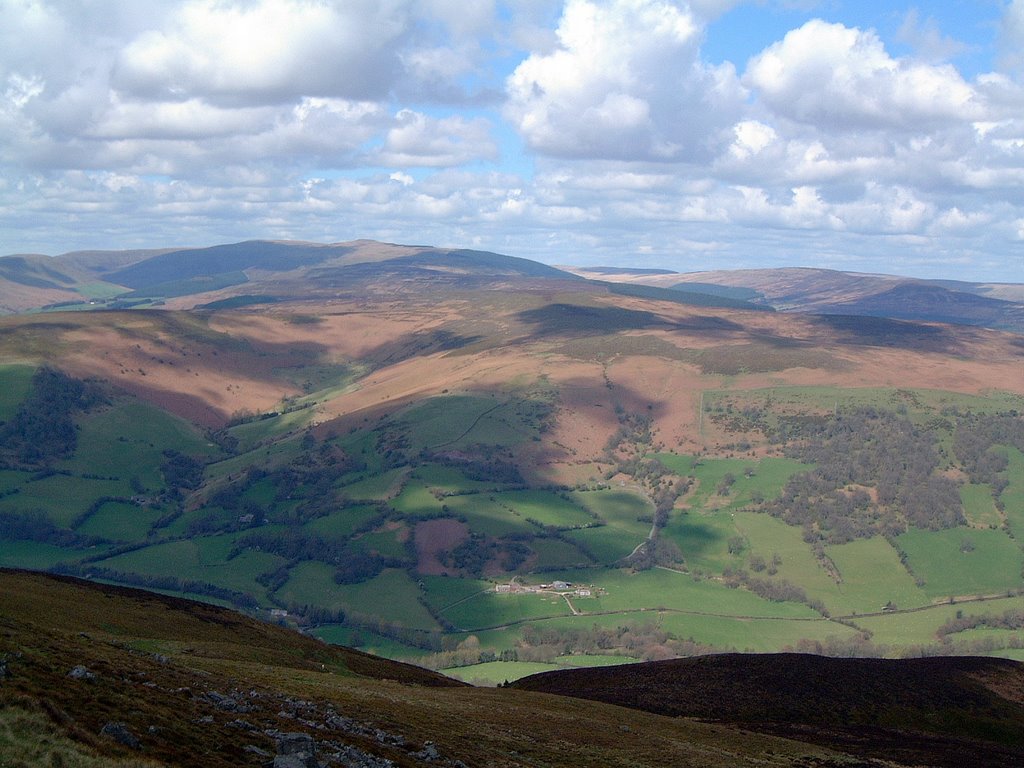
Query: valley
(386,463)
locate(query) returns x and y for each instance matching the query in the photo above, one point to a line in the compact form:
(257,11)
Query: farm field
(963,561)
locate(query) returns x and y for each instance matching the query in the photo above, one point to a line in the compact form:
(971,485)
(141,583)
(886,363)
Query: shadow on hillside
(858,330)
(561,319)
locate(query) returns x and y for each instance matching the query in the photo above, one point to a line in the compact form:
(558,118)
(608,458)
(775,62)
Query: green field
(15,383)
(979,506)
(1013,495)
(129,439)
(463,421)
(376,487)
(491,609)
(619,509)
(919,627)
(704,540)
(119,521)
(872,576)
(203,559)
(546,508)
(484,513)
(607,544)
(941,558)
(767,476)
(312,583)
(36,555)
(62,497)
(662,589)
(345,522)
(496,672)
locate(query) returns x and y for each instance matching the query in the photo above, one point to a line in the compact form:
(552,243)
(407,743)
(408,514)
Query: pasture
(312,583)
(979,506)
(1013,495)
(963,561)
(546,508)
(17,381)
(918,628)
(119,521)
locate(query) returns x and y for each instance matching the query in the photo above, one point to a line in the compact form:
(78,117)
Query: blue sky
(710,134)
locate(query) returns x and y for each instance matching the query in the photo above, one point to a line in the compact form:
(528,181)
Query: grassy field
(496,672)
(119,521)
(36,555)
(762,635)
(376,487)
(918,627)
(484,513)
(16,381)
(128,440)
(873,576)
(703,540)
(202,559)
(312,583)
(629,592)
(963,561)
(1013,495)
(766,476)
(619,509)
(490,609)
(344,522)
(608,544)
(545,507)
(62,497)
(979,507)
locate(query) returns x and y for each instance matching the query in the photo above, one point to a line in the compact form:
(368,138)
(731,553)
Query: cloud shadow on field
(857,330)
(560,319)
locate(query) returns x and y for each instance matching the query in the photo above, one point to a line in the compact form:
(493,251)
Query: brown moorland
(197,685)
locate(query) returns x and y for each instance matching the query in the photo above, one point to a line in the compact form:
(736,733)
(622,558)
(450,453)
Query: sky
(710,134)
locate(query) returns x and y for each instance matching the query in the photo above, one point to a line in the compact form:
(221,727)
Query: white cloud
(267,51)
(560,129)
(626,81)
(419,140)
(1011,37)
(927,40)
(842,79)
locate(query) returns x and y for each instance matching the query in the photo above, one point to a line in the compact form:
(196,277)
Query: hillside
(933,711)
(539,471)
(96,675)
(825,291)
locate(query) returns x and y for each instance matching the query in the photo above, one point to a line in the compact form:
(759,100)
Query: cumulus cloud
(625,81)
(842,78)
(566,130)
(1011,37)
(269,51)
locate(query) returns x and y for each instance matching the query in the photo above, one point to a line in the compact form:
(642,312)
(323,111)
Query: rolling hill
(464,431)
(825,291)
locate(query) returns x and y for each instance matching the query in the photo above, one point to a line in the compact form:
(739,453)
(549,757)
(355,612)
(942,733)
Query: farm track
(471,427)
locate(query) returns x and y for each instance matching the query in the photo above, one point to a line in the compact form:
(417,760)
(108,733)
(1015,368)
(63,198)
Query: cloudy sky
(709,134)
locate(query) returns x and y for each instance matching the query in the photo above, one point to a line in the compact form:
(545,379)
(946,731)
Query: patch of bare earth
(435,537)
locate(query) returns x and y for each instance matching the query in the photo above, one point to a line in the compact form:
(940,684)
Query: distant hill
(825,291)
(938,711)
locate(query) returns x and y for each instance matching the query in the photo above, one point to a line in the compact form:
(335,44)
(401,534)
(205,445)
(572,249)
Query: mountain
(96,675)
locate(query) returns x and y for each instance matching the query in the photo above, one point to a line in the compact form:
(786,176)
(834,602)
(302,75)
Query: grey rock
(296,750)
(80,672)
(119,732)
(429,753)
